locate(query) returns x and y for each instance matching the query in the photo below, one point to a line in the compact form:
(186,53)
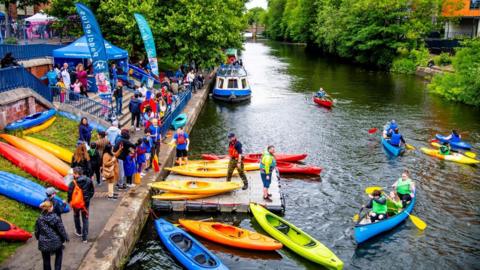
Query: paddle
(369,190)
(372,130)
(409,146)
(356,217)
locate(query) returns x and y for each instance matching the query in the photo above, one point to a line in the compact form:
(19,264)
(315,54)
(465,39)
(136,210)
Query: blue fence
(85,104)
(182,100)
(24,52)
(17,77)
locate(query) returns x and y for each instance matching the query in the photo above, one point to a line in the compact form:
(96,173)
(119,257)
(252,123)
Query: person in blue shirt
(396,138)
(84,131)
(389,129)
(156,136)
(114,73)
(321,93)
(454,137)
(182,141)
(130,166)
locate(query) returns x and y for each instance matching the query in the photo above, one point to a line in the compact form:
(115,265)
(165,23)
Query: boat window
(244,84)
(232,83)
(220,83)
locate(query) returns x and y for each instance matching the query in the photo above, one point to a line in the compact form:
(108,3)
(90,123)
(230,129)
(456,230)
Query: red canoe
(34,166)
(323,102)
(256,157)
(8,231)
(286,167)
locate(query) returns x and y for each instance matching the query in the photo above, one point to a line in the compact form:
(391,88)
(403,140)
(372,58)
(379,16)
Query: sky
(257,3)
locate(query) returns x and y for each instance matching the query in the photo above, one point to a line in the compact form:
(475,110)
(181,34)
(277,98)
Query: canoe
(76,118)
(257,157)
(179,121)
(364,230)
(38,152)
(188,251)
(170,196)
(215,171)
(23,190)
(393,150)
(295,239)
(287,167)
(196,186)
(32,165)
(230,235)
(220,163)
(323,102)
(40,127)
(455,145)
(8,231)
(31,120)
(455,157)
(60,152)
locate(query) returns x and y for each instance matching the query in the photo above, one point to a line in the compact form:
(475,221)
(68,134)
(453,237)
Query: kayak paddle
(356,217)
(369,190)
(409,146)
(420,224)
(372,130)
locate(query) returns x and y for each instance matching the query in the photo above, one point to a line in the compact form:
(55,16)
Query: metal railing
(182,99)
(18,77)
(24,52)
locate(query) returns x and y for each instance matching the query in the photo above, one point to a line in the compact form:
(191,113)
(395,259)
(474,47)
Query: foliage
(256,15)
(442,59)
(463,85)
(273,20)
(408,63)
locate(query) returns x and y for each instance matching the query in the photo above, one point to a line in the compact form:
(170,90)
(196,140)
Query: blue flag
(97,49)
(149,42)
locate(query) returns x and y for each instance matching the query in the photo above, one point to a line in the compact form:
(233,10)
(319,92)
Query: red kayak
(323,102)
(34,166)
(9,231)
(257,157)
(286,167)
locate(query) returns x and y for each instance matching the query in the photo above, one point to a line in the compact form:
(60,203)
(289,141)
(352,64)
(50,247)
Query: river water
(282,113)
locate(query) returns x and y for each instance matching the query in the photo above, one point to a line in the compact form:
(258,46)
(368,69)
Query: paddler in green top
(378,204)
(267,165)
(445,149)
(405,188)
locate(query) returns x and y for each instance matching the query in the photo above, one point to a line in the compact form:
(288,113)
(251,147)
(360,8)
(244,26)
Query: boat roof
(231,71)
(231,51)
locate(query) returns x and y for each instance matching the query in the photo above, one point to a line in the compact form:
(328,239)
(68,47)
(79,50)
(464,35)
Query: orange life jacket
(232,151)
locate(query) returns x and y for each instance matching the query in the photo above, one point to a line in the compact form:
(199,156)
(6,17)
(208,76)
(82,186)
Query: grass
(63,132)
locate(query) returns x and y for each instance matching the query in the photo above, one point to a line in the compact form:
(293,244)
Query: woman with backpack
(110,170)
(80,192)
(81,159)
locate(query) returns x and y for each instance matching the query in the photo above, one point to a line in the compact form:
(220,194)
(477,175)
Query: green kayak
(295,239)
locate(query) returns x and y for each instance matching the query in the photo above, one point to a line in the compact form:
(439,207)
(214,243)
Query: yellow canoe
(196,186)
(41,127)
(58,151)
(38,152)
(208,171)
(170,196)
(221,163)
(455,157)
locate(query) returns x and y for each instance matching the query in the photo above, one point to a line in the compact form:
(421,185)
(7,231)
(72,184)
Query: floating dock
(236,201)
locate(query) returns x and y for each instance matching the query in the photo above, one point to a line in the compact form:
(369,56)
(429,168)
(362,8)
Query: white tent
(40,17)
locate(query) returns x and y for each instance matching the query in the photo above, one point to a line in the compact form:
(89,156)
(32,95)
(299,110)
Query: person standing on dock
(182,142)
(236,160)
(267,165)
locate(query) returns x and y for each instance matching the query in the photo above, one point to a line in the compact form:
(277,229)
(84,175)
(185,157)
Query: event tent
(79,50)
(40,17)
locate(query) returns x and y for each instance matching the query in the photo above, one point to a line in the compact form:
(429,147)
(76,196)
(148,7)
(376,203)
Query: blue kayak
(23,190)
(454,145)
(31,120)
(363,232)
(179,121)
(394,150)
(188,251)
(77,118)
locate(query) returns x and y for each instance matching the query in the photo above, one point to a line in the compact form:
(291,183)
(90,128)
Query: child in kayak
(321,93)
(378,204)
(445,149)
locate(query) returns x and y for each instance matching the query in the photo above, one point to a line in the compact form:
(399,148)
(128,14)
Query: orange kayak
(230,235)
(37,152)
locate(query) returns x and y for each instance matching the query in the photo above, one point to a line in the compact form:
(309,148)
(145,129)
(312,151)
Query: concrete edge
(22,93)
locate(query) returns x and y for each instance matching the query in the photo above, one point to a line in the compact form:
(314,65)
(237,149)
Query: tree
(255,16)
(275,29)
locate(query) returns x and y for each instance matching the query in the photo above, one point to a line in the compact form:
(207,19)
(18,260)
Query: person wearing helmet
(58,205)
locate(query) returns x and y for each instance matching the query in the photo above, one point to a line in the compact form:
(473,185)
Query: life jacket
(181,138)
(395,139)
(267,160)
(455,138)
(232,152)
(78,201)
(403,187)
(444,150)
(379,208)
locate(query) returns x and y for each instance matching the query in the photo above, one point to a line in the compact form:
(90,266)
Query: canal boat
(294,238)
(394,150)
(196,186)
(231,84)
(31,120)
(325,102)
(186,249)
(455,157)
(257,156)
(454,145)
(8,231)
(365,230)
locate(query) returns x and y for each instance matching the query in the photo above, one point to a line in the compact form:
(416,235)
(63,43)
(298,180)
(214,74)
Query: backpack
(78,201)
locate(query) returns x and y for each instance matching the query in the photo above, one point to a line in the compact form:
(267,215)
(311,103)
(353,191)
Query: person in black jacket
(51,235)
(95,162)
(134,108)
(88,190)
(124,140)
(81,159)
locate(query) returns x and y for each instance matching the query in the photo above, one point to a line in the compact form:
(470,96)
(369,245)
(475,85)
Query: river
(281,112)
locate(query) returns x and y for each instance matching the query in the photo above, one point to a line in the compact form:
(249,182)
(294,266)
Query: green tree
(275,29)
(255,15)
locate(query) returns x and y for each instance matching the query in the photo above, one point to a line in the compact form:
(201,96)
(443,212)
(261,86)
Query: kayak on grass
(325,102)
(188,251)
(179,121)
(196,186)
(230,235)
(455,157)
(60,152)
(456,145)
(40,127)
(31,120)
(197,170)
(8,231)
(394,150)
(256,157)
(294,238)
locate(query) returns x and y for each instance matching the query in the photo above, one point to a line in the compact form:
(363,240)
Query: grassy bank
(63,132)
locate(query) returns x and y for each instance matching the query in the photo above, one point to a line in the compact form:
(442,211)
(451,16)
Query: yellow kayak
(455,157)
(196,186)
(58,151)
(41,127)
(170,196)
(197,169)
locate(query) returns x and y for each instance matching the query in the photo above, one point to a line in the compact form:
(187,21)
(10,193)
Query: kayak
(188,251)
(328,103)
(196,186)
(197,170)
(455,157)
(295,239)
(8,231)
(287,167)
(76,118)
(171,196)
(257,157)
(179,121)
(32,165)
(365,230)
(31,120)
(38,152)
(456,145)
(394,150)
(230,235)
(40,127)
(58,151)
(219,163)
(23,190)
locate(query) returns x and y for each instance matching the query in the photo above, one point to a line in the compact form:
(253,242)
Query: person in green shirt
(445,149)
(378,204)
(267,165)
(405,188)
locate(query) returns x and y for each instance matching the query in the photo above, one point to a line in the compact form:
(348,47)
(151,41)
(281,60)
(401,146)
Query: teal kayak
(394,150)
(179,121)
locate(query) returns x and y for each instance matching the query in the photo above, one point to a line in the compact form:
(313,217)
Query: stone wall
(38,67)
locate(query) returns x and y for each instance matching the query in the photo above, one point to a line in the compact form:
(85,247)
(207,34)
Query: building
(465,15)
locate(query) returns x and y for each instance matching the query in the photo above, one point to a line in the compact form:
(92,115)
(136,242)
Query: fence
(85,104)
(183,99)
(23,52)
(18,77)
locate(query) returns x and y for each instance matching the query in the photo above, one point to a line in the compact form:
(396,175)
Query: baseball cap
(50,191)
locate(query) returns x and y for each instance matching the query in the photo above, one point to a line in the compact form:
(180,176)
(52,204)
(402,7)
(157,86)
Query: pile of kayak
(193,255)
(458,153)
(192,189)
(33,123)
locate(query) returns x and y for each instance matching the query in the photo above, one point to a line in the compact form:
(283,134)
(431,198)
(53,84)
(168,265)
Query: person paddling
(389,129)
(445,149)
(396,138)
(454,137)
(405,188)
(321,93)
(236,160)
(267,165)
(378,204)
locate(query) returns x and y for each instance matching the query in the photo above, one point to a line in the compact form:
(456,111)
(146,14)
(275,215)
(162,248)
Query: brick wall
(39,71)
(19,109)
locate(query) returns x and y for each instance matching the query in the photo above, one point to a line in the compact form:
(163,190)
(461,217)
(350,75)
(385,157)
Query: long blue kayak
(31,120)
(365,230)
(454,145)
(188,251)
(394,150)
(179,121)
(77,118)
(23,190)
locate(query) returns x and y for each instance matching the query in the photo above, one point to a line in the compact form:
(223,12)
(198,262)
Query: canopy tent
(40,17)
(79,50)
